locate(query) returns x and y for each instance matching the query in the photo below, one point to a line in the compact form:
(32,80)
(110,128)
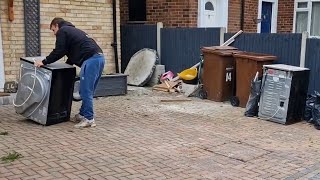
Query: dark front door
(266,16)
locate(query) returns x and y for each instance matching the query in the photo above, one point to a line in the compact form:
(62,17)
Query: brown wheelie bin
(218,72)
(247,65)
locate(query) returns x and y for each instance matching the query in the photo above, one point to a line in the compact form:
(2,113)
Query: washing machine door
(32,90)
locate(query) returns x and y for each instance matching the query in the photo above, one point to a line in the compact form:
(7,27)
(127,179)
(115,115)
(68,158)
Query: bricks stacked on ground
(92,16)
(182,13)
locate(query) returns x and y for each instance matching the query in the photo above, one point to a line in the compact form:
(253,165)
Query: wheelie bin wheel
(203,94)
(234,100)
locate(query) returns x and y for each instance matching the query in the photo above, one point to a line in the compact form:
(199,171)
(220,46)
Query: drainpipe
(114,44)
(242,15)
(2,80)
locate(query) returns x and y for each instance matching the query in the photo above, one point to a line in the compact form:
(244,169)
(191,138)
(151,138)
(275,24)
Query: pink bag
(167,75)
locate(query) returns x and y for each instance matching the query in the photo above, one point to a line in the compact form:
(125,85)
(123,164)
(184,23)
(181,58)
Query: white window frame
(308,9)
(200,6)
(274,17)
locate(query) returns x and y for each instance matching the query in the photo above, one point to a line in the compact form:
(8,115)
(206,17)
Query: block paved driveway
(139,137)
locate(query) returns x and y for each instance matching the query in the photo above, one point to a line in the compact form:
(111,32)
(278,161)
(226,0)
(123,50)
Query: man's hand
(38,63)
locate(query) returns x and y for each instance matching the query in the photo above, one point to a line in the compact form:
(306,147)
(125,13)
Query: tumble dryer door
(32,90)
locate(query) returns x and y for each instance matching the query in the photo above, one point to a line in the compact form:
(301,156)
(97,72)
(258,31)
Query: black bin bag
(309,107)
(312,110)
(252,107)
(316,111)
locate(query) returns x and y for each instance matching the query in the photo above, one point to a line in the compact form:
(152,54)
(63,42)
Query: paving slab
(139,137)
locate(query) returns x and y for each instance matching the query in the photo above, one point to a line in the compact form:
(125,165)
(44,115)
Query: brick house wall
(185,12)
(124,11)
(12,39)
(284,21)
(285,15)
(250,15)
(94,17)
(234,15)
(179,13)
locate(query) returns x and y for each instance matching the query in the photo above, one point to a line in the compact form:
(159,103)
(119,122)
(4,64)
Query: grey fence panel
(313,63)
(180,47)
(286,46)
(135,38)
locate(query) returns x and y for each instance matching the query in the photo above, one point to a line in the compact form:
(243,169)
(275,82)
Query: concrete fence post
(159,27)
(222,32)
(305,36)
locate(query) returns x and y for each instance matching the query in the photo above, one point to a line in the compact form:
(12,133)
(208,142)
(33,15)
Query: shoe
(86,123)
(77,118)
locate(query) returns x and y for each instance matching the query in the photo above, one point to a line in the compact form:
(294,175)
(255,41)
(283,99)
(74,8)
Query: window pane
(209,6)
(301,22)
(302,4)
(315,23)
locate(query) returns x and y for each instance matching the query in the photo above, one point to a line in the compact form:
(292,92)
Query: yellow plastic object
(188,74)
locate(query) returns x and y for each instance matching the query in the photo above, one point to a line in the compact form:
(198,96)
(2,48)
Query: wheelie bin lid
(221,50)
(255,56)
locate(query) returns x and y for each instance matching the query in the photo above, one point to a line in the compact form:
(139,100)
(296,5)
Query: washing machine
(45,94)
(284,92)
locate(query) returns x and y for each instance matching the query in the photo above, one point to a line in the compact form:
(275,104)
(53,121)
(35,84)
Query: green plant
(10,157)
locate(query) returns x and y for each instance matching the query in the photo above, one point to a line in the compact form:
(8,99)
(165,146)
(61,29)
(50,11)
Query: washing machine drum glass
(31,93)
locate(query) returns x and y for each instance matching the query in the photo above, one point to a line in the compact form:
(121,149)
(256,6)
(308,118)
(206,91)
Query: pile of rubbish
(144,69)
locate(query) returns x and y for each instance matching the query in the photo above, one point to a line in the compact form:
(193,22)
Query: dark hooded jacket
(74,43)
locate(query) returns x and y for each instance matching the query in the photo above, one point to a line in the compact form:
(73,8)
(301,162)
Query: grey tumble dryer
(284,93)
(45,94)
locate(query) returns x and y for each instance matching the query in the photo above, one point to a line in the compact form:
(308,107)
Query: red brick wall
(250,15)
(285,15)
(174,13)
(234,15)
(124,11)
(184,13)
